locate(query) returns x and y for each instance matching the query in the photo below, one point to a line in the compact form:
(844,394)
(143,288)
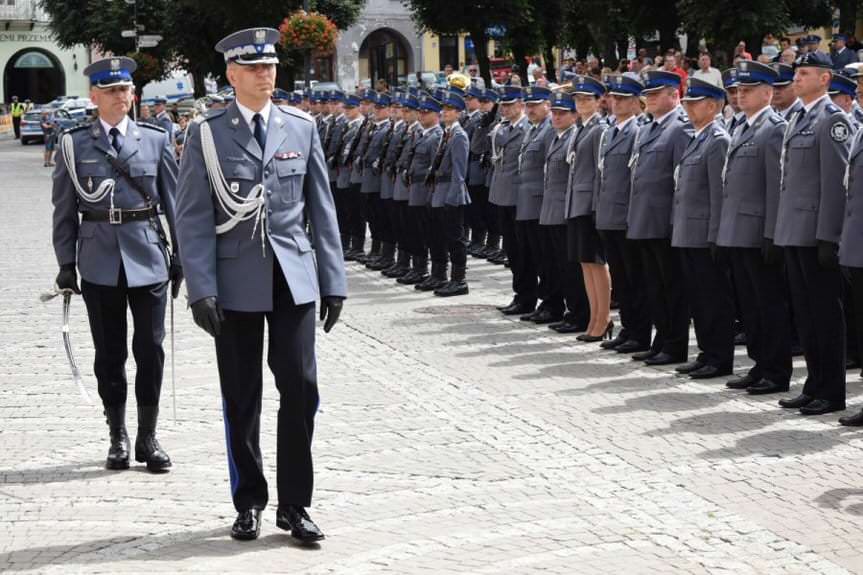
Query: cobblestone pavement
(450,440)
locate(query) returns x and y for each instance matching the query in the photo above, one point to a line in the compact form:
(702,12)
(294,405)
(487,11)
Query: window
(448,51)
(33,60)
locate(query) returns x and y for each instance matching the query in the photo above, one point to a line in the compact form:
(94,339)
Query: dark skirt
(584,245)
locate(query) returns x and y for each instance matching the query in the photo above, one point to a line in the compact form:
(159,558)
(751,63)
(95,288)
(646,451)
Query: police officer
(655,154)
(480,146)
(370,188)
(451,197)
(785,101)
(612,205)
(17,111)
(255,263)
(162,117)
(746,230)
(729,82)
(475,173)
(388,220)
(840,54)
(842,91)
(331,145)
(119,175)
(357,206)
(808,226)
(351,227)
(697,210)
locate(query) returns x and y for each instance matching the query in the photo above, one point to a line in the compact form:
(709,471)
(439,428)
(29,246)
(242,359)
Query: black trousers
(402,224)
(565,280)
(354,210)
(340,199)
(851,309)
(372,212)
(816,294)
(855,277)
(665,296)
(528,235)
(386,224)
(16,126)
(291,358)
(521,264)
(417,231)
(710,304)
(763,296)
(106,309)
(627,279)
(491,213)
(447,237)
(476,212)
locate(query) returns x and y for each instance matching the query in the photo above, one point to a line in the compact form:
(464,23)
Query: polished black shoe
(643,355)
(518,309)
(606,335)
(618,340)
(513,303)
(412,277)
(766,386)
(690,367)
(740,338)
(663,358)
(822,406)
(709,372)
(531,315)
(498,259)
(487,252)
(147,448)
(118,452)
(247,525)
(741,382)
(801,400)
(544,316)
(632,346)
(569,327)
(380,264)
(396,272)
(453,288)
(431,284)
(295,519)
(855,420)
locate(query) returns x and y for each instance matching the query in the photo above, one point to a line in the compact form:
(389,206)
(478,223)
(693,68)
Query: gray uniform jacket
(401,190)
(450,187)
(148,157)
(812,195)
(555,180)
(475,133)
(234,266)
(583,159)
(655,154)
(750,195)
(615,181)
(851,245)
(506,144)
(388,158)
(332,143)
(531,165)
(350,139)
(791,110)
(164,121)
(371,183)
(361,143)
(698,195)
(424,153)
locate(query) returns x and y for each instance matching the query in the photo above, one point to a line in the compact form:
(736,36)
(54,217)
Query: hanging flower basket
(309,30)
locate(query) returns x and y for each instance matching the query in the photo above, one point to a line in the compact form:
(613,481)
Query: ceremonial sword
(67,339)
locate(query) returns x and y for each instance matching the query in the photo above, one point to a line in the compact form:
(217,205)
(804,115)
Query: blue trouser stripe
(232,467)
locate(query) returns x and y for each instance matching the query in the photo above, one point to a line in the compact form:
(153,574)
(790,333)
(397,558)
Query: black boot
(147,448)
(456,286)
(477,242)
(373,254)
(356,248)
(418,274)
(436,280)
(386,259)
(400,267)
(118,453)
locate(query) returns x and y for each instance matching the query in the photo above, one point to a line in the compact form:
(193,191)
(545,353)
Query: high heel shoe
(607,334)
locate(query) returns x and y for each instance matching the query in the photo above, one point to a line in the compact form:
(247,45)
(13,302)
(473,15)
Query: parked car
(75,103)
(326,87)
(31,128)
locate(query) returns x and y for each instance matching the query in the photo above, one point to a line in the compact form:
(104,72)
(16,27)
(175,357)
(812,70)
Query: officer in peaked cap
(281,96)
(809,226)
(295,99)
(697,209)
(251,175)
(655,155)
(612,210)
(856,73)
(388,223)
(480,148)
(841,55)
(119,176)
(383,249)
(474,220)
(347,201)
(729,82)
(162,117)
(842,91)
(784,101)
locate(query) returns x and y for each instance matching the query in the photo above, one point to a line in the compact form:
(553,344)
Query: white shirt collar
(709,125)
(382,122)
(589,120)
(562,134)
(757,115)
(248,115)
(661,118)
(620,126)
(452,126)
(427,130)
(355,121)
(414,124)
(808,107)
(122,125)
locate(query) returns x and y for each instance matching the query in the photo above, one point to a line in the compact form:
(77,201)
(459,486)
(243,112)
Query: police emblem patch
(839,132)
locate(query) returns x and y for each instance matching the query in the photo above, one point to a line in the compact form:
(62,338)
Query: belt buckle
(115,216)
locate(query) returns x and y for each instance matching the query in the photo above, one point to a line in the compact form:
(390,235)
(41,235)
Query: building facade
(34,66)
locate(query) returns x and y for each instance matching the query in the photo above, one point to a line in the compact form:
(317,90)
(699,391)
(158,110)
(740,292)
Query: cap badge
(115,64)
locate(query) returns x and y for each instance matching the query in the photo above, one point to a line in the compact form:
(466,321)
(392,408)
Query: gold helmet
(458,80)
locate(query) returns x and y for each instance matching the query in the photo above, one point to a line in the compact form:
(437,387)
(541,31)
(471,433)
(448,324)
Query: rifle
(353,148)
(413,152)
(393,168)
(438,159)
(385,148)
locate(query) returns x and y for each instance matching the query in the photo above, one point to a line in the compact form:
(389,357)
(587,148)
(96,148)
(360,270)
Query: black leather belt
(118,216)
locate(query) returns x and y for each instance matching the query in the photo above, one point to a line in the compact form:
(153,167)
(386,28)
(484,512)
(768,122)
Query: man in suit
(255,263)
(119,176)
(450,198)
(697,209)
(746,231)
(655,154)
(809,226)
(506,141)
(162,117)
(371,182)
(612,205)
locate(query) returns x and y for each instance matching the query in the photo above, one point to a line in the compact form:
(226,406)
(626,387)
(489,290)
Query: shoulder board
(718,133)
(77,129)
(211,114)
(776,119)
(296,112)
(151,126)
(832,108)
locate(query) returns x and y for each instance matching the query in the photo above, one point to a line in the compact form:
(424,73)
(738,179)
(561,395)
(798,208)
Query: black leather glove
(208,315)
(176,276)
(828,255)
(68,278)
(331,309)
(770,253)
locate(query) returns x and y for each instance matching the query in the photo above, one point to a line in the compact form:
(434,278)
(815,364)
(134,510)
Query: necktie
(260,131)
(614,132)
(744,128)
(116,139)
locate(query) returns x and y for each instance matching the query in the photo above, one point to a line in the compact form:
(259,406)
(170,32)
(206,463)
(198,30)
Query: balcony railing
(21,11)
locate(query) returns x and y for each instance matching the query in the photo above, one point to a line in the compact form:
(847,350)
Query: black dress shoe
(569,327)
(632,346)
(855,420)
(513,303)
(797,402)
(822,406)
(295,519)
(663,358)
(614,343)
(709,372)
(765,386)
(453,288)
(690,367)
(643,355)
(519,309)
(544,316)
(530,316)
(741,382)
(431,284)
(411,278)
(247,526)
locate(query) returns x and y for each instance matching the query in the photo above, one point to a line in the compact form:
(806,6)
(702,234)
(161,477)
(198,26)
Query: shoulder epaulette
(718,132)
(296,112)
(832,108)
(74,129)
(776,119)
(151,126)
(214,114)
